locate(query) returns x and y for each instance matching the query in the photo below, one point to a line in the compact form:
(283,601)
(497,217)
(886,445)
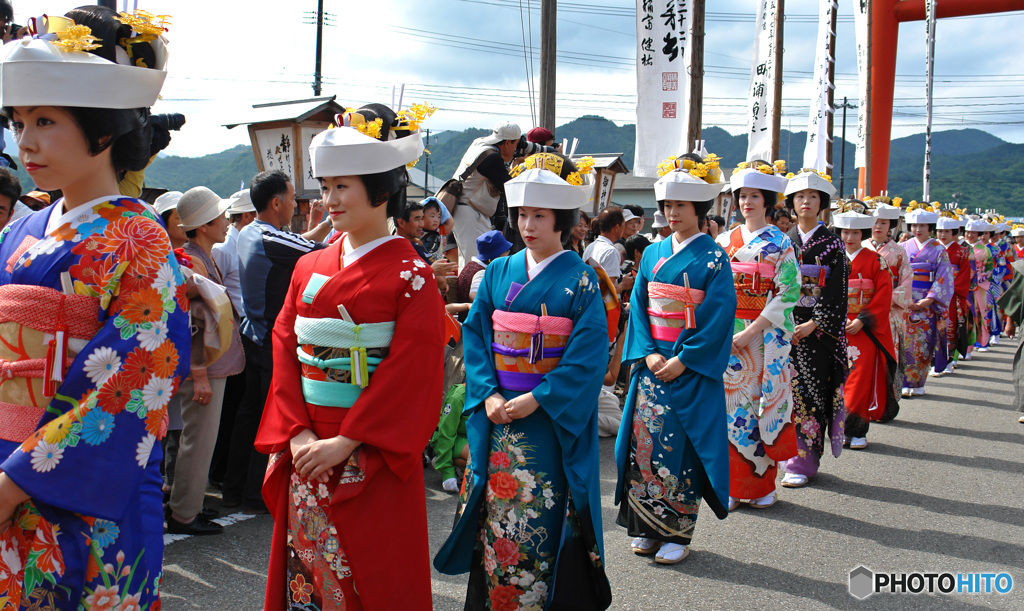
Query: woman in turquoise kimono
(672,450)
(93,323)
(530,507)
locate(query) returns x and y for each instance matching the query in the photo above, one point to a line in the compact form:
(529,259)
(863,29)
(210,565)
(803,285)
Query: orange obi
(859,294)
(36,324)
(672,308)
(753,282)
(526,347)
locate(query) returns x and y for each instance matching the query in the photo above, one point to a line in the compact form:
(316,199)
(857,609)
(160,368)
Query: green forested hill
(984,171)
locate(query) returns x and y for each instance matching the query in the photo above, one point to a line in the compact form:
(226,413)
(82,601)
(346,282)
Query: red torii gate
(886,17)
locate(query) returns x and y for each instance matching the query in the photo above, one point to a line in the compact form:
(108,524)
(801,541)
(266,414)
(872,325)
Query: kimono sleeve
(707,351)
(830,311)
(904,292)
(285,414)
(477,335)
(779,309)
(98,436)
(877,311)
(942,288)
(639,342)
(568,393)
(398,411)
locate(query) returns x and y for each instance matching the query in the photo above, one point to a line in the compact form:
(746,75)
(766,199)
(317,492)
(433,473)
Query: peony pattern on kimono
(516,495)
(317,565)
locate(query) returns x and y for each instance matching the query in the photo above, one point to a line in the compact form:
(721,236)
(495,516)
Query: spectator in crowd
(449,442)
(635,245)
(782,219)
(36,200)
(225,255)
(10,192)
(634,221)
(661,228)
(610,223)
(578,235)
(167,207)
(541,135)
(609,408)
(484,175)
(437,228)
(409,225)
(216,353)
(490,246)
(267,255)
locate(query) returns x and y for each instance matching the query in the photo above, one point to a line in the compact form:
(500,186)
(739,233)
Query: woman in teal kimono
(672,450)
(530,507)
(94,332)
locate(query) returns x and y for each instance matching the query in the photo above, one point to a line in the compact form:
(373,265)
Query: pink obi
(526,347)
(859,294)
(752,281)
(32,368)
(672,308)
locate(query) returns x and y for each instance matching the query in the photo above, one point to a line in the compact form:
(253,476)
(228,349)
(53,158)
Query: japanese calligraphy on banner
(816,151)
(861,10)
(929,72)
(663,55)
(761,97)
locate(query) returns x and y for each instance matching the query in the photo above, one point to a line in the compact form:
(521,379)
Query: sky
(466,57)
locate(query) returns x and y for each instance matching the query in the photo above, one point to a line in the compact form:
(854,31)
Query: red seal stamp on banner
(669,81)
(668,110)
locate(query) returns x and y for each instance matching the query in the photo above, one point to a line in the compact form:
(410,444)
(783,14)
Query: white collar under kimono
(854,255)
(678,246)
(920,244)
(350,255)
(58,217)
(533,268)
(806,236)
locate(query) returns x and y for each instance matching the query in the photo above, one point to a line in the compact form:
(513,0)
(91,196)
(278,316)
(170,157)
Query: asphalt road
(939,489)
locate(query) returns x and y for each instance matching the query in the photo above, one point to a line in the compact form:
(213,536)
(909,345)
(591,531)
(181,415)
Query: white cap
(977,225)
(36,72)
(685,187)
(198,206)
(809,180)
(167,201)
(241,202)
(1002,228)
(946,222)
(627,215)
(504,130)
(1017,232)
(921,217)
(540,188)
(345,151)
(756,179)
(660,222)
(885,211)
(852,220)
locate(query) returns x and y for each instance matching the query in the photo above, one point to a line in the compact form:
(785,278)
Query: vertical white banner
(761,96)
(861,11)
(929,75)
(663,59)
(816,151)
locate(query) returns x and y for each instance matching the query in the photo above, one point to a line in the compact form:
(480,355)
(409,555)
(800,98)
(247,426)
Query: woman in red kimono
(868,336)
(347,420)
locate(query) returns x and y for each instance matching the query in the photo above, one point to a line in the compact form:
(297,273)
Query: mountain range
(971,166)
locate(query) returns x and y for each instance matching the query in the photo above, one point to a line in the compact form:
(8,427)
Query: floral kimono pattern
(819,360)
(529,523)
(896,263)
(933,278)
(91,533)
(981,268)
(758,391)
(1000,271)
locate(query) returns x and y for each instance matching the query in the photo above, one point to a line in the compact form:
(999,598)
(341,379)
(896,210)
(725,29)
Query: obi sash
(924,275)
(526,347)
(672,309)
(38,310)
(753,283)
(812,281)
(337,356)
(860,292)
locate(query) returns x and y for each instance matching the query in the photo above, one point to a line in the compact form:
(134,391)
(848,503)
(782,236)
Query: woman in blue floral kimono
(672,450)
(529,524)
(758,394)
(93,326)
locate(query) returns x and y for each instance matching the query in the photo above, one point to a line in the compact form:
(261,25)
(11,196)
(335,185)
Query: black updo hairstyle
(126,132)
(388,186)
(700,208)
(565,220)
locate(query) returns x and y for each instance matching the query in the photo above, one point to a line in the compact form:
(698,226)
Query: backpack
(451,191)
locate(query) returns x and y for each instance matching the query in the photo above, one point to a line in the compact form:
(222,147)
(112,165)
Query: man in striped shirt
(267,255)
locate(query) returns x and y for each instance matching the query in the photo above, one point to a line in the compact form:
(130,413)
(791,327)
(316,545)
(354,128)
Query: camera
(525,148)
(171,122)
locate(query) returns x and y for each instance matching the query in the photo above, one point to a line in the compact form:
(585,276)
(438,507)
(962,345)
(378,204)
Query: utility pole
(777,105)
(317,72)
(548,51)
(696,74)
(842,152)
